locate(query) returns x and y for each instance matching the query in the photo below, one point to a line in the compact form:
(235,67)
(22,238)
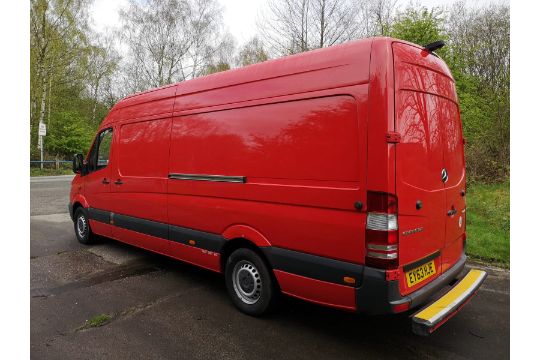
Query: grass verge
(488,223)
(49,172)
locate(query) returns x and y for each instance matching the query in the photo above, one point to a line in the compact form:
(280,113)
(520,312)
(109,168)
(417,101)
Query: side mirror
(77,163)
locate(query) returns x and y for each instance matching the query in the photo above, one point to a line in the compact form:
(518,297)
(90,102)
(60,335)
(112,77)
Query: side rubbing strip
(204,240)
(99,215)
(313,266)
(148,227)
(217,178)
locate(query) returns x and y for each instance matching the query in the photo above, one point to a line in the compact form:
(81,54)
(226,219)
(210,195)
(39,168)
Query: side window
(99,155)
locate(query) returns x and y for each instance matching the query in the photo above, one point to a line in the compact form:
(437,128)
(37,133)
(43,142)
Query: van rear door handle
(452,212)
(118,182)
(105,181)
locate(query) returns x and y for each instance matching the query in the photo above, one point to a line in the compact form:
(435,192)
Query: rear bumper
(437,313)
(380,296)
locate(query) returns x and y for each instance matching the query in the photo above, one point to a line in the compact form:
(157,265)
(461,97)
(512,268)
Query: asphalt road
(164,309)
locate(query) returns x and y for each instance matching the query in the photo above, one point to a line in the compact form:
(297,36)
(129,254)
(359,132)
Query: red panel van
(336,176)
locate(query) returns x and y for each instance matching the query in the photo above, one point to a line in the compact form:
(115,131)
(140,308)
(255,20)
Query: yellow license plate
(421,273)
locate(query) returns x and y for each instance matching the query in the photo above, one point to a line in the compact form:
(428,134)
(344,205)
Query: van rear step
(430,318)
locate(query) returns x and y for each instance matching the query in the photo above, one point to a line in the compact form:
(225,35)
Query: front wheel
(82,227)
(249,283)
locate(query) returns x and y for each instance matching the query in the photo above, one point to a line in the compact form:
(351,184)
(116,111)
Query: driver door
(97,183)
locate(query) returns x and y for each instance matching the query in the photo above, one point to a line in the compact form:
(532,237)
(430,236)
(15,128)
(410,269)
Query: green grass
(488,222)
(96,321)
(49,172)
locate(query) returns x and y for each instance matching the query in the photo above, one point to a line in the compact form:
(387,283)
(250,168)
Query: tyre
(82,227)
(250,284)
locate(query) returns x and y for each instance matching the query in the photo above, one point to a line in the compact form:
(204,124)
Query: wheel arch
(241,231)
(243,236)
(77,202)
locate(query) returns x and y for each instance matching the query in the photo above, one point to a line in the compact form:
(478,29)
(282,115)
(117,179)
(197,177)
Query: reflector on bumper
(437,313)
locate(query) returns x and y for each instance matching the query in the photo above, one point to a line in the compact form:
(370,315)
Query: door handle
(118,182)
(452,212)
(105,181)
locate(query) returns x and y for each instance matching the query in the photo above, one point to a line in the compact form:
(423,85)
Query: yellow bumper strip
(426,320)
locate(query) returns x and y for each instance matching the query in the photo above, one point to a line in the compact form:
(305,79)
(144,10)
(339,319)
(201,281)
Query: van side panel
(295,140)
(139,180)
(303,166)
(142,166)
(196,256)
(143,149)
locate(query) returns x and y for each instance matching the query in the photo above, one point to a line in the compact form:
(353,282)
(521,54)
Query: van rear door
(429,163)
(454,164)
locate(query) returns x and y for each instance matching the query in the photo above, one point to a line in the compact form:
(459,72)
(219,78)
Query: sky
(239,15)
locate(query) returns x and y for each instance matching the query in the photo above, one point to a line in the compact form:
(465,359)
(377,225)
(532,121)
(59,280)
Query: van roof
(333,56)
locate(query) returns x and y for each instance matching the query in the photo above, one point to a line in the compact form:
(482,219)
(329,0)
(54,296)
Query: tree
(479,55)
(252,52)
(377,17)
(418,25)
(215,68)
(294,26)
(480,40)
(169,40)
(335,21)
(73,134)
(102,62)
(70,70)
(56,36)
(57,42)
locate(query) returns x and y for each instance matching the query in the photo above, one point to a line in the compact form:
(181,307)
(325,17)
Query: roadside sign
(42,129)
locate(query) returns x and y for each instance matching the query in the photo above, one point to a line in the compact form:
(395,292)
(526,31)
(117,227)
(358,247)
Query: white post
(42,133)
(41,152)
(40,148)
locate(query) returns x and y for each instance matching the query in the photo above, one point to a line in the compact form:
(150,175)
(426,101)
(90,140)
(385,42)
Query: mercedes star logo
(444,175)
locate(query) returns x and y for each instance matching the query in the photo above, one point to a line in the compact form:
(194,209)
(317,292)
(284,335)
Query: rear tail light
(382,230)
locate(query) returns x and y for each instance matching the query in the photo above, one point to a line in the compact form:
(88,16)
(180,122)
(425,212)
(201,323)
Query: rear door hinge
(393,137)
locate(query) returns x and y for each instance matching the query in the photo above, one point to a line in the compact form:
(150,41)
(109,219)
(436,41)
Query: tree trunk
(95,102)
(43,107)
(49,103)
(322,14)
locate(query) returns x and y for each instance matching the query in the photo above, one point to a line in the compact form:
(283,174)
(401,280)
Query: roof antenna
(434,46)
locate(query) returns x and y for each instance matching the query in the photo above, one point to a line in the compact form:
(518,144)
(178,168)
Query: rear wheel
(249,283)
(82,227)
